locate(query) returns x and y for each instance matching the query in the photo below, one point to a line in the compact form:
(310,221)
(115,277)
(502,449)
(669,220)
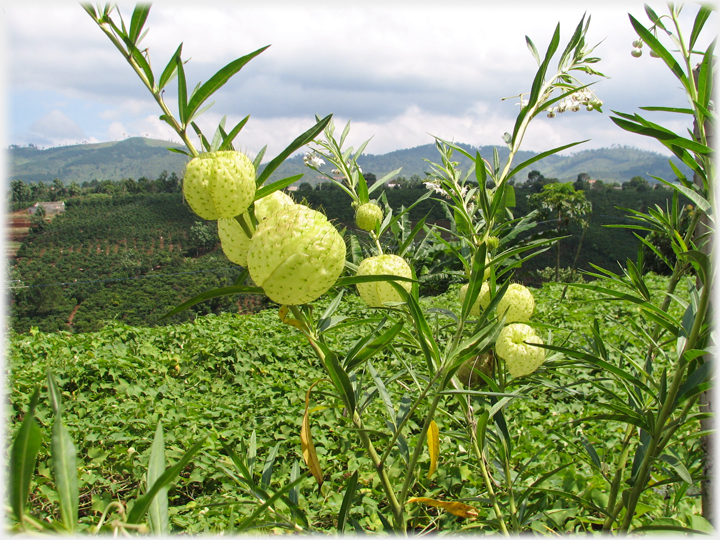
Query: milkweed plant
(470,365)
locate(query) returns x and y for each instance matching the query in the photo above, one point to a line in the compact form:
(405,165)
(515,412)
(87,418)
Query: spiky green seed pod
(514,345)
(219,184)
(368,216)
(376,293)
(483,299)
(235,243)
(296,255)
(517,305)
(270,204)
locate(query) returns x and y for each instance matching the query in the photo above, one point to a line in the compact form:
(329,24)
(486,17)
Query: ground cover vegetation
(416,409)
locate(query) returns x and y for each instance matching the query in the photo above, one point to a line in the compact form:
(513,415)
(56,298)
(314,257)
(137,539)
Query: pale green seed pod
(270,204)
(376,293)
(517,304)
(514,345)
(296,255)
(219,184)
(368,216)
(483,299)
(235,243)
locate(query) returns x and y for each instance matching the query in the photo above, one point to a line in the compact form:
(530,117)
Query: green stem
(615,487)
(655,446)
(157,95)
(410,477)
(488,483)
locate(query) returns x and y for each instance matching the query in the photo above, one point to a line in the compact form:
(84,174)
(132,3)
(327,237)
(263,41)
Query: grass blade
(158,511)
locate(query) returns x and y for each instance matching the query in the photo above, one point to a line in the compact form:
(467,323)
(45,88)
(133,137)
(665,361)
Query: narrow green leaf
(22,458)
(227,143)
(258,159)
(158,511)
(700,19)
(218,80)
(354,280)
(142,504)
(294,493)
(275,186)
(347,501)
(139,16)
(538,157)
(669,109)
(678,466)
(215,293)
(182,92)
(268,467)
(533,49)
(171,69)
(301,141)
(64,460)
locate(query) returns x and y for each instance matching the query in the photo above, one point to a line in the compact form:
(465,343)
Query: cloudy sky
(402,71)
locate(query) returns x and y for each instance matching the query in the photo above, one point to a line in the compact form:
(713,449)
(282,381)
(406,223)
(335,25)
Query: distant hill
(137,157)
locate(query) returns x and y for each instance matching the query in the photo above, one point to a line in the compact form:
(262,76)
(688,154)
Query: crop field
(234,378)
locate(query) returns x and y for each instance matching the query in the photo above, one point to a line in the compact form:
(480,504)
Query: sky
(402,72)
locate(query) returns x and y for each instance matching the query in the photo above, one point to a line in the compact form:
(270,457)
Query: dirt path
(72,315)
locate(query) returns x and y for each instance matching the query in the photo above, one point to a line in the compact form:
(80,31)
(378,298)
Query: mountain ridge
(136,157)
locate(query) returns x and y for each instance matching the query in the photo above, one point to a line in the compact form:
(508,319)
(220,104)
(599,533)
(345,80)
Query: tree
(536,181)
(582,183)
(305,186)
(74,189)
(203,237)
(564,205)
(20,191)
(637,183)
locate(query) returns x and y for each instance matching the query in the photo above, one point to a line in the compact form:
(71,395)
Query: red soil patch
(72,315)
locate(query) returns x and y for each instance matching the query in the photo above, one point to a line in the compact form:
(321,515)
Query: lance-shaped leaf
(142,504)
(214,293)
(433,440)
(275,186)
(217,81)
(64,459)
(350,488)
(301,141)
(306,443)
(158,511)
(22,458)
(454,507)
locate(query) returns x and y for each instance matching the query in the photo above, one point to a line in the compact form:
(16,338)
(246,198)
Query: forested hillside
(138,157)
(115,254)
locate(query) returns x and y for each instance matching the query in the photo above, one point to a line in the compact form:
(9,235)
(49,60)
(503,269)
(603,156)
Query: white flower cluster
(437,187)
(637,49)
(311,159)
(574,101)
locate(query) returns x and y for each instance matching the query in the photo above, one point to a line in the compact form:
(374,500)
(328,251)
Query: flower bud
(637,53)
(638,43)
(376,293)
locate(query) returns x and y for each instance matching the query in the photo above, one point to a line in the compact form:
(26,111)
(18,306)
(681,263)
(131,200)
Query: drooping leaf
(433,441)
(23,456)
(306,441)
(454,507)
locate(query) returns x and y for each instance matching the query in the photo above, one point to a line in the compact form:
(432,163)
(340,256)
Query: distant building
(50,207)
(292,188)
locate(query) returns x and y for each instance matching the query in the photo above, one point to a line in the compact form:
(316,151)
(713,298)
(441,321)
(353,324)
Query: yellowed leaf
(433,440)
(306,442)
(283,313)
(456,508)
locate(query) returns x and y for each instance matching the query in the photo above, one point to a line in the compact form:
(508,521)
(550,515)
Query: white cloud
(55,128)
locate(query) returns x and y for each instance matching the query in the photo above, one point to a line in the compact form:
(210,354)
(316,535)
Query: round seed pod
(483,363)
(296,255)
(517,304)
(270,204)
(376,293)
(219,184)
(514,345)
(483,299)
(368,216)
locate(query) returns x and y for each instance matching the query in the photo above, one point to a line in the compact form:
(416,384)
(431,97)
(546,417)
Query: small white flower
(336,171)
(551,113)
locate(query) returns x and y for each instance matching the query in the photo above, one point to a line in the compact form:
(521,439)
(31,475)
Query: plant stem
(615,487)
(655,446)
